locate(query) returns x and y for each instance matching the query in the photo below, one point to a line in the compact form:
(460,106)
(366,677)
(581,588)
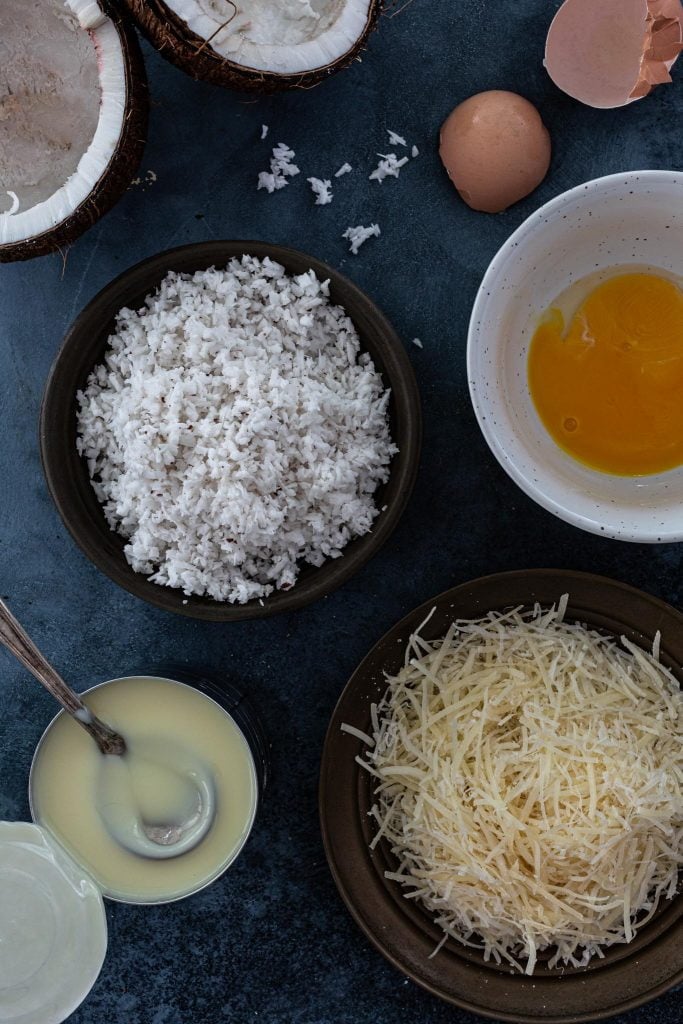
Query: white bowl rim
(644,536)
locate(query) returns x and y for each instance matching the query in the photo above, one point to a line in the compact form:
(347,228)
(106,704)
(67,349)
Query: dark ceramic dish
(84,347)
(403,932)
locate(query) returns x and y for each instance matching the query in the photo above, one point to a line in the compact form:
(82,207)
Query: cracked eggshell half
(607,53)
(73,118)
(257,45)
(495,148)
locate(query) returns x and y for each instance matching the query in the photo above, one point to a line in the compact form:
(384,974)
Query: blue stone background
(271,942)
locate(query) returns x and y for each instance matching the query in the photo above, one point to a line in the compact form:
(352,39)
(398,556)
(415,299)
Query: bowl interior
(400,928)
(632,219)
(84,347)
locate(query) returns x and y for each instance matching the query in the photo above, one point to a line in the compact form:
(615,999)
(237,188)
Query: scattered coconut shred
(529,781)
(358,235)
(395,139)
(389,166)
(235,430)
(321,190)
(281,169)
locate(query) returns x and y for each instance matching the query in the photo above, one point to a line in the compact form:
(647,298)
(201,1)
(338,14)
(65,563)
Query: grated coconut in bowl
(235,430)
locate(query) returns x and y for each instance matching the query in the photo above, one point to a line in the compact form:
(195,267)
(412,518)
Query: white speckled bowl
(631,218)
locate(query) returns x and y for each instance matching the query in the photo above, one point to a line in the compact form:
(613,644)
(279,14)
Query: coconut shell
(121,168)
(175,41)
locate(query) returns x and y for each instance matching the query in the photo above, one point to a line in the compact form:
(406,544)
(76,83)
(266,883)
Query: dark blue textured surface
(271,942)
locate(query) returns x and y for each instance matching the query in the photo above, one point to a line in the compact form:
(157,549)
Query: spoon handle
(17,641)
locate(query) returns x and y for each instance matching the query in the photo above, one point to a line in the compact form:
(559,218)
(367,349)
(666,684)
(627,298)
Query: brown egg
(496,149)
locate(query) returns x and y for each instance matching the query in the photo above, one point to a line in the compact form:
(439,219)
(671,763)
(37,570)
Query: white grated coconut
(344,169)
(281,169)
(235,430)
(389,166)
(395,139)
(321,190)
(414,152)
(358,235)
(264,131)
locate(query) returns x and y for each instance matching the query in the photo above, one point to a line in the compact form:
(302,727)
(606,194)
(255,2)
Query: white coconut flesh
(62,107)
(277,36)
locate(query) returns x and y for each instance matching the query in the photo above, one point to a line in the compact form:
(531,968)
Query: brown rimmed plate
(629,975)
(84,347)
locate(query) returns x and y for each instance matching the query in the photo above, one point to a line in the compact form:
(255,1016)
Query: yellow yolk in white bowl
(608,384)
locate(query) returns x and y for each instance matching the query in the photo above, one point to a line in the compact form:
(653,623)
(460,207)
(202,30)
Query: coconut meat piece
(62,106)
(277,36)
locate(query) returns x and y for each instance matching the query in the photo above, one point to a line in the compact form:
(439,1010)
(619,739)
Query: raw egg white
(495,149)
(608,384)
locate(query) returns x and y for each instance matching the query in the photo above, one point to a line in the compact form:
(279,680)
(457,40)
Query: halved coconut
(260,45)
(73,118)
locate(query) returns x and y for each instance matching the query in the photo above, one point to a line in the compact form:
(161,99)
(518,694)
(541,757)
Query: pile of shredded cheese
(529,780)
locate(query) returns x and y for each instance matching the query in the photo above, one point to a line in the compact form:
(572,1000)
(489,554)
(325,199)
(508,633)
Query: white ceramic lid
(53,928)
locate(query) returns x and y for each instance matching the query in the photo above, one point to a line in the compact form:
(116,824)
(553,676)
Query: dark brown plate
(84,347)
(403,932)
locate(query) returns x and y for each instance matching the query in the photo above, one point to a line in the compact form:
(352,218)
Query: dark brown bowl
(400,929)
(83,348)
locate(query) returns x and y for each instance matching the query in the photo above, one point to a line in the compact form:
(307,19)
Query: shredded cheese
(529,781)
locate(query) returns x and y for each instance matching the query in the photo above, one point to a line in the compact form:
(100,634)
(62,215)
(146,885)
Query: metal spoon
(137,833)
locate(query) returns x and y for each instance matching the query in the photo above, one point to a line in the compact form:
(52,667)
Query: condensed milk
(65,785)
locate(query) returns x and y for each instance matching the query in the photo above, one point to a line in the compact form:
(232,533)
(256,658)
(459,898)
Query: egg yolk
(609,387)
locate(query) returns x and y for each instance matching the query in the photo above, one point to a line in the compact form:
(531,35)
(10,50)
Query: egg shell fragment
(495,149)
(611,53)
